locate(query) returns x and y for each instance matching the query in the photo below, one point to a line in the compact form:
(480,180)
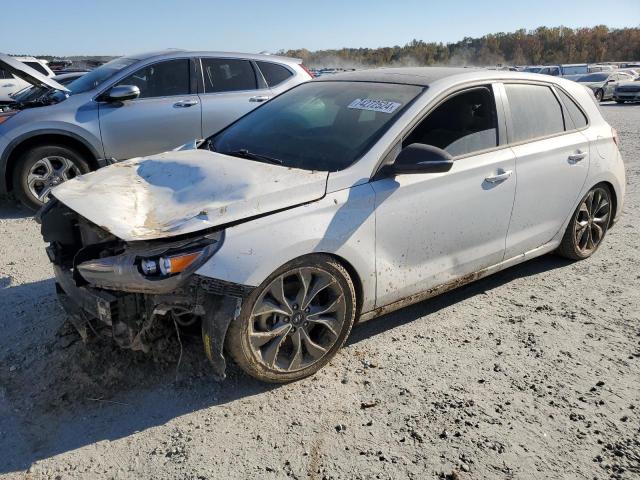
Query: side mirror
(421,158)
(122,93)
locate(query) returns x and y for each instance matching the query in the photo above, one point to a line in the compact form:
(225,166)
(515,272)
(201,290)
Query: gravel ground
(531,373)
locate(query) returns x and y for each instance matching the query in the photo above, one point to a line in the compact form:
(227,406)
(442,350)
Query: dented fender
(341,224)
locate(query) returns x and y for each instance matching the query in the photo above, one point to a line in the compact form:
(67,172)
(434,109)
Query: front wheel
(295,321)
(43,168)
(588,226)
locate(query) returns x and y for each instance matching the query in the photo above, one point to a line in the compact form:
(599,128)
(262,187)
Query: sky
(118,27)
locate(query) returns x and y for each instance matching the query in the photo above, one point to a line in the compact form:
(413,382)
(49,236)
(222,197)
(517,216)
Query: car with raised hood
(603,84)
(340,200)
(11,83)
(132,106)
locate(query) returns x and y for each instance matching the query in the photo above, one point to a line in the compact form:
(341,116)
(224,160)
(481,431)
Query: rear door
(164,116)
(231,87)
(552,160)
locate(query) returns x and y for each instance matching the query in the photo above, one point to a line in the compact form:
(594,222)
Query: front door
(164,116)
(434,228)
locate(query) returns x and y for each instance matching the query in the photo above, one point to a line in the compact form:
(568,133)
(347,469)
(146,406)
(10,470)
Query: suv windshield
(95,77)
(594,77)
(317,126)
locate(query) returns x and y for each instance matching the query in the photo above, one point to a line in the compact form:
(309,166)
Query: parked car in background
(603,83)
(11,83)
(627,91)
(532,69)
(563,70)
(132,106)
(291,224)
(34,93)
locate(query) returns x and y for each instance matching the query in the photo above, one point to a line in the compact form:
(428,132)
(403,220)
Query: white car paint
(15,80)
(179,192)
(405,238)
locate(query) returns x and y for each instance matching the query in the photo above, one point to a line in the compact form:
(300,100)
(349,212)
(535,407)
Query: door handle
(185,103)
(259,98)
(576,157)
(500,177)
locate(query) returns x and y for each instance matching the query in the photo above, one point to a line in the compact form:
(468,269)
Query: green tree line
(543,45)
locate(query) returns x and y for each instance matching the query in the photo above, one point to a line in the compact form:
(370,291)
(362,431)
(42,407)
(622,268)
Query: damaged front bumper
(103,283)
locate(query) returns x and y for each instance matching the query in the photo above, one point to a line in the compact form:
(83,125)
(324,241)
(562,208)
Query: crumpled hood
(180,192)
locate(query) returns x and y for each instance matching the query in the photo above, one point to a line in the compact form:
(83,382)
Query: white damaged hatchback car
(342,199)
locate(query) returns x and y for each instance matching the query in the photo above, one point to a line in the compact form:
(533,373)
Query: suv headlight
(7,115)
(151,268)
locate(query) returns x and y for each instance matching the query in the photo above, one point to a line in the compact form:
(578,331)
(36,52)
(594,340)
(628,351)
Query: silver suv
(130,107)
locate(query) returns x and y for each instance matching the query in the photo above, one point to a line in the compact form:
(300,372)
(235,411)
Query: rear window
(575,114)
(228,75)
(273,73)
(535,112)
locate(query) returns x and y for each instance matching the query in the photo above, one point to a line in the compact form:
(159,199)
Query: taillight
(307,70)
(616,138)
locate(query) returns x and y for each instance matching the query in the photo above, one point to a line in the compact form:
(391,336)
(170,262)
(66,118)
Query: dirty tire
(303,344)
(570,247)
(66,160)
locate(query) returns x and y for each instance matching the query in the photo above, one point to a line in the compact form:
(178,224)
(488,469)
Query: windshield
(595,77)
(95,77)
(323,126)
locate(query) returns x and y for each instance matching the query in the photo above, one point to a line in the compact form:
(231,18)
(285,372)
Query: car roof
(171,52)
(426,76)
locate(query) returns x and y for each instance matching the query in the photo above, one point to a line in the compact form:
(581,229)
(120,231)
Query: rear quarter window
(575,114)
(535,112)
(273,73)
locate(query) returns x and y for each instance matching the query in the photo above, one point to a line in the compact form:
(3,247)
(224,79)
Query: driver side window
(463,124)
(163,79)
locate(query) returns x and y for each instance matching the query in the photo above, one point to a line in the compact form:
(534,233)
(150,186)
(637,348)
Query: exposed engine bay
(122,289)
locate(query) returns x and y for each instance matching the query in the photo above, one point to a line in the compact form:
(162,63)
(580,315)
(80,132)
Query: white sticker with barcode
(374,105)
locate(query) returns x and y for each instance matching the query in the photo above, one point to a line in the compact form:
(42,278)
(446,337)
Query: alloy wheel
(47,173)
(297,319)
(592,220)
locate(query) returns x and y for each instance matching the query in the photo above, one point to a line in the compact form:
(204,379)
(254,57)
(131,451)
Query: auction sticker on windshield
(374,105)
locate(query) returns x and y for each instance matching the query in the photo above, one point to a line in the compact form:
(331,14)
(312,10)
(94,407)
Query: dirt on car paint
(530,373)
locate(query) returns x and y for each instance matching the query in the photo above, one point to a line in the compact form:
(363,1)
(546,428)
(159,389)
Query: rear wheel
(599,94)
(588,226)
(43,168)
(295,321)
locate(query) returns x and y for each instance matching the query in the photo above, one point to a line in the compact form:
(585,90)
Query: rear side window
(463,124)
(163,79)
(273,73)
(577,117)
(535,112)
(228,75)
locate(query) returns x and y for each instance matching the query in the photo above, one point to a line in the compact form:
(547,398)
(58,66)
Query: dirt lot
(531,373)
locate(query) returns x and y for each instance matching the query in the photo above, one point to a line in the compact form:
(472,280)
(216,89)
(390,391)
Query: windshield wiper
(244,153)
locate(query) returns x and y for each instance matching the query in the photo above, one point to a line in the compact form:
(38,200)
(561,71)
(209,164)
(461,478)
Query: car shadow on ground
(58,395)
(10,209)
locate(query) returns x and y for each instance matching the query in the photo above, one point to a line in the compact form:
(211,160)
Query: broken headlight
(151,268)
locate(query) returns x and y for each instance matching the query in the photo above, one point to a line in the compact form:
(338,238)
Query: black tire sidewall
(572,225)
(21,171)
(237,338)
